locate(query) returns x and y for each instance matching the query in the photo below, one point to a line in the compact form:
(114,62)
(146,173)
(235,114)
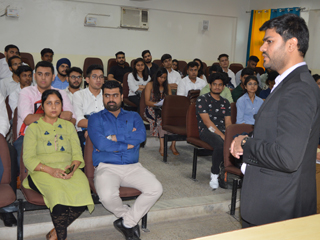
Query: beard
(112,108)
(62,74)
(74,86)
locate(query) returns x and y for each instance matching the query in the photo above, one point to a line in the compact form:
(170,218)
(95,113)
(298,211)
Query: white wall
(174,28)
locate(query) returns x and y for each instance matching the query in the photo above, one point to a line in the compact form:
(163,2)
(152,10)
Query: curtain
(281,11)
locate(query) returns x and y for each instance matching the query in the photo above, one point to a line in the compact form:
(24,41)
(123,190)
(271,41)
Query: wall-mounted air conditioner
(134,18)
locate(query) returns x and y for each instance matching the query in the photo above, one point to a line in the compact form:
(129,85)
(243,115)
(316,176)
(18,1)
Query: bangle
(42,166)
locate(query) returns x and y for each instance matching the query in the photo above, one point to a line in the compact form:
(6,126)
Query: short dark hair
(74,69)
(316,77)
(272,76)
(93,67)
(120,52)
(23,68)
(175,60)
(192,64)
(10,60)
(251,77)
(48,92)
(165,57)
(44,64)
(214,76)
(145,52)
(46,50)
(111,84)
(289,26)
(223,55)
(247,71)
(215,68)
(6,49)
(254,58)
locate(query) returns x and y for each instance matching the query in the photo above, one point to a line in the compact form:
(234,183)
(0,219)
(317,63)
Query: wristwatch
(243,142)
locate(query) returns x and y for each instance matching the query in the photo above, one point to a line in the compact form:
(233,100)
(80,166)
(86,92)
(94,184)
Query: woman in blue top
(249,104)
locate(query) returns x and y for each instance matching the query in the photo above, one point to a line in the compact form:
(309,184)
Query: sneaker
(214,183)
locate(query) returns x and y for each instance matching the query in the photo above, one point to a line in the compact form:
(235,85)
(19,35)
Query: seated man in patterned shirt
(214,116)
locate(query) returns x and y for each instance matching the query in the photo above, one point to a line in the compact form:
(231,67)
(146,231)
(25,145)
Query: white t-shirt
(134,84)
(4,121)
(8,85)
(4,69)
(174,77)
(185,85)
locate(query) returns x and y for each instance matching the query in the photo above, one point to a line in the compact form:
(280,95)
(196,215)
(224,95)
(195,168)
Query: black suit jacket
(279,182)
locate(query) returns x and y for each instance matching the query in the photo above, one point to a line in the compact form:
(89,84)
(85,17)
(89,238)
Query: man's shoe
(8,219)
(214,183)
(128,233)
(136,230)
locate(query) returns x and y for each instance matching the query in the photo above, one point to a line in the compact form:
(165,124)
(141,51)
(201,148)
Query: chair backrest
(233,113)
(143,105)
(193,95)
(204,67)
(23,169)
(28,59)
(112,62)
(235,67)
(6,161)
(174,110)
(158,62)
(231,131)
(89,169)
(125,87)
(192,122)
(9,111)
(15,125)
(2,55)
(259,70)
(132,63)
(182,65)
(90,61)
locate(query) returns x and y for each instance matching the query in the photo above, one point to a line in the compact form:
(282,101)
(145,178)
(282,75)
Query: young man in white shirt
(173,76)
(10,84)
(224,64)
(74,77)
(9,51)
(191,81)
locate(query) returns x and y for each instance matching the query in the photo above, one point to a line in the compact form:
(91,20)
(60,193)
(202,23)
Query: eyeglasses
(75,77)
(252,84)
(95,77)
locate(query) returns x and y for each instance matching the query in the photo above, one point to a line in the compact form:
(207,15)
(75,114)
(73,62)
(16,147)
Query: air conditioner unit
(134,18)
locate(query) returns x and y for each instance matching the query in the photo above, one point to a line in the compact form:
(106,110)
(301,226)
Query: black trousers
(215,141)
(136,100)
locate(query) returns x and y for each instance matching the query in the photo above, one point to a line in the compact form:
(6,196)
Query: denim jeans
(18,146)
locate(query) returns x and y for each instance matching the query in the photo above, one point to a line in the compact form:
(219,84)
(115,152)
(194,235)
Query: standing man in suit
(279,160)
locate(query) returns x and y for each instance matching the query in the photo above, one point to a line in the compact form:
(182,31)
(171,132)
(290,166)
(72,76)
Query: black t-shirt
(154,68)
(217,111)
(118,72)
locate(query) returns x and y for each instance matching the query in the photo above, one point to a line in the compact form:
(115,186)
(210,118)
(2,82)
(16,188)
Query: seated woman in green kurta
(52,155)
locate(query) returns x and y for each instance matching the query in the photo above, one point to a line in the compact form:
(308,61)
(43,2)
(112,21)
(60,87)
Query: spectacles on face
(73,77)
(252,84)
(96,77)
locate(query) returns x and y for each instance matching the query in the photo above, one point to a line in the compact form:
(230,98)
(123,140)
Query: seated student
(252,63)
(9,51)
(74,78)
(137,81)
(173,76)
(249,104)
(60,80)
(270,83)
(116,161)
(316,77)
(214,116)
(8,85)
(191,81)
(147,58)
(240,89)
(52,155)
(224,64)
(200,69)
(175,66)
(88,101)
(25,75)
(155,92)
(118,71)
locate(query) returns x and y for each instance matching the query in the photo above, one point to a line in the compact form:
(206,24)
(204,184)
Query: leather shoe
(128,233)
(8,219)
(136,230)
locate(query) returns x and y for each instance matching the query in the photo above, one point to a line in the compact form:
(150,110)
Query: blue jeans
(18,146)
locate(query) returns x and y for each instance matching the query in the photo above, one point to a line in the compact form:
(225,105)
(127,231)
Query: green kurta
(56,146)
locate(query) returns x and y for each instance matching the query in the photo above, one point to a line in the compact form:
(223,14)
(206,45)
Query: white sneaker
(214,183)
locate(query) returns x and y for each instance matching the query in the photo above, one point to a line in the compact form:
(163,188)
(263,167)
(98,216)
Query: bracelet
(42,166)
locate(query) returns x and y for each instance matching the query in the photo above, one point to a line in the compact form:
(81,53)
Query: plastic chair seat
(181,130)
(199,143)
(7,195)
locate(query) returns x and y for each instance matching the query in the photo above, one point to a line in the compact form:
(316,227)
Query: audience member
(89,100)
(263,79)
(9,51)
(316,77)
(155,92)
(52,155)
(152,67)
(8,85)
(214,116)
(191,81)
(25,75)
(175,66)
(249,104)
(173,76)
(116,161)
(239,90)
(60,81)
(200,69)
(270,83)
(224,64)
(47,55)
(118,71)
(74,77)
(252,63)
(137,81)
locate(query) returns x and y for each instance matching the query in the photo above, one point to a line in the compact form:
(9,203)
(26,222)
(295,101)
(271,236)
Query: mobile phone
(69,170)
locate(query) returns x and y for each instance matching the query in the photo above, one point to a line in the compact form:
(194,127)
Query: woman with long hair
(200,69)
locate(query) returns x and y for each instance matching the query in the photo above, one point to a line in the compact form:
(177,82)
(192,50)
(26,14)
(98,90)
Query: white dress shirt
(233,77)
(85,103)
(4,121)
(173,77)
(7,86)
(13,99)
(134,84)
(70,94)
(4,69)
(185,85)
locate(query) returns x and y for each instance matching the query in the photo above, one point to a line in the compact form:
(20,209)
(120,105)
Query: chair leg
(165,148)
(194,165)
(234,196)
(20,220)
(144,223)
